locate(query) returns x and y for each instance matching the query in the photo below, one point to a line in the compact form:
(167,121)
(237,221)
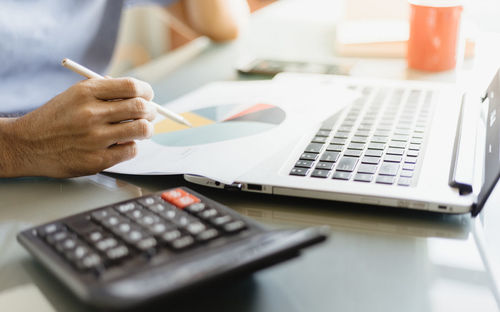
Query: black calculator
(132,252)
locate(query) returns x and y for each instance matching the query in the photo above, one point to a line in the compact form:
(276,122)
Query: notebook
(407,144)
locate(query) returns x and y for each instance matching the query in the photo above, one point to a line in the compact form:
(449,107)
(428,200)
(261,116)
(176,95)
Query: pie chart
(218,123)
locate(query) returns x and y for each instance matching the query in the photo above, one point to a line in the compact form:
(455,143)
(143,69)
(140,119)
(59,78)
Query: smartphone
(272,67)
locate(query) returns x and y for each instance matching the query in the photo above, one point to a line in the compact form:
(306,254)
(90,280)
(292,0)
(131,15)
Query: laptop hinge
(458,178)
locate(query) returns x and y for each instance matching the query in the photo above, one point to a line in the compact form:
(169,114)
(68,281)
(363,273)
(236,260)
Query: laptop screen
(492,144)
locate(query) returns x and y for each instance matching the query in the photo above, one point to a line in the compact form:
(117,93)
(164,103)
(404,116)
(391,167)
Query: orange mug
(434,34)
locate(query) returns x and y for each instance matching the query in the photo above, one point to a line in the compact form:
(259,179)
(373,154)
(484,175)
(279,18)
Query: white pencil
(84,71)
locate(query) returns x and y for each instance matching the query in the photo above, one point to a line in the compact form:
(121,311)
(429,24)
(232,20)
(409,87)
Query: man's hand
(84,130)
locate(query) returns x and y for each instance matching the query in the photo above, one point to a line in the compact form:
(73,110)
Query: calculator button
(126,207)
(219,221)
(67,244)
(171,235)
(208,214)
(179,198)
(133,237)
(148,201)
(195,208)
(195,228)
(160,207)
(234,226)
(158,228)
(207,235)
(90,261)
(106,243)
(183,242)
(100,215)
(57,237)
(77,253)
(146,244)
(49,229)
(117,253)
(95,236)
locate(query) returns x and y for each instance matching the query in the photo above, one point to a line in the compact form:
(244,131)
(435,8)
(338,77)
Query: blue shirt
(36,35)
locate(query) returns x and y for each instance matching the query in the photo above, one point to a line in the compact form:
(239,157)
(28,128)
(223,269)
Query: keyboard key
(412,153)
(411,160)
(404,181)
(389,168)
(341,135)
(302,172)
(408,166)
(340,175)
(416,141)
(397,144)
(318,173)
(319,139)
(314,148)
(377,139)
(406,173)
(334,148)
(330,156)
(362,133)
(402,138)
(324,165)
(385,179)
(363,177)
(367,168)
(347,163)
(370,160)
(358,139)
(309,156)
(374,153)
(393,158)
(376,146)
(304,163)
(338,141)
(353,153)
(414,147)
(323,133)
(356,146)
(395,151)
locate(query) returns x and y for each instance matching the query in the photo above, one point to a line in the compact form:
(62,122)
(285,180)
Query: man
(78,131)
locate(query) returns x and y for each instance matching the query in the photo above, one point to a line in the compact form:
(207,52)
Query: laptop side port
(443,207)
(254,187)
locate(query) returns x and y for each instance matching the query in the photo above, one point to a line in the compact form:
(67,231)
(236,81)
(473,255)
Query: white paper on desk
(228,159)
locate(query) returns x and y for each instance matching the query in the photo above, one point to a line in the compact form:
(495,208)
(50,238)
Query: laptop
(407,144)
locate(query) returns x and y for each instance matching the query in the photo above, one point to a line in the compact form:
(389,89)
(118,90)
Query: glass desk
(377,259)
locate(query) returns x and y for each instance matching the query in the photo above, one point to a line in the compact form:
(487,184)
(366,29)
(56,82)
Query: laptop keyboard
(379,140)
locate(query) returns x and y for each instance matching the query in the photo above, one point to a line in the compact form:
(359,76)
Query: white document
(237,125)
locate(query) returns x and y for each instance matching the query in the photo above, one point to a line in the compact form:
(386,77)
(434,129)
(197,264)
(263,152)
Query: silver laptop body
(423,134)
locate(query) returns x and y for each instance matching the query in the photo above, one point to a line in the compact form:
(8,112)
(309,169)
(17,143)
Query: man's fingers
(139,129)
(118,153)
(134,108)
(120,88)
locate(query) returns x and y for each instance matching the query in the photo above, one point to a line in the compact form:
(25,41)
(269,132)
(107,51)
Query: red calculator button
(180,198)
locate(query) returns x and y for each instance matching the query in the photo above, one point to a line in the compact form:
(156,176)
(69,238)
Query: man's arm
(220,20)
(80,131)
